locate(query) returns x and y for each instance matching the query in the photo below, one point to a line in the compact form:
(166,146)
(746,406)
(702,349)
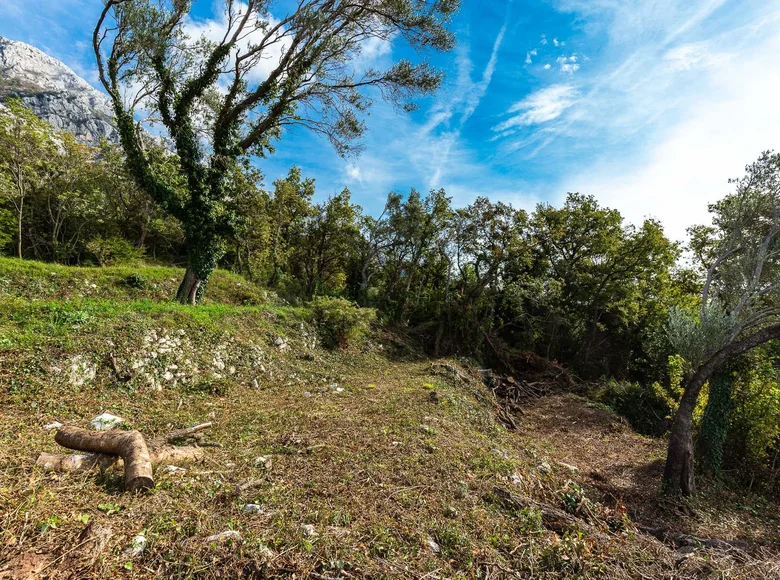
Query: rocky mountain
(54,93)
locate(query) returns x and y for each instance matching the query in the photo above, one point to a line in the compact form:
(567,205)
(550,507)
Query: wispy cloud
(540,107)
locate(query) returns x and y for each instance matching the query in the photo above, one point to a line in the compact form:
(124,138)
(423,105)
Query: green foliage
(644,407)
(715,423)
(113,251)
(340,322)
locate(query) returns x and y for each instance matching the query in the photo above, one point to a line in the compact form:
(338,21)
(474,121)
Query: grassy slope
(379,469)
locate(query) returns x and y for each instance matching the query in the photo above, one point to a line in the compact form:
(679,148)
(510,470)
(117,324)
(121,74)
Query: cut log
(129,445)
(87,461)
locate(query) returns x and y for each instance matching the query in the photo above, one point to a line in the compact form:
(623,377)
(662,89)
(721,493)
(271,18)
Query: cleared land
(371,463)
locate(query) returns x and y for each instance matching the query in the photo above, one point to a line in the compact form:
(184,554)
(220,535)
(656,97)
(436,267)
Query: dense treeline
(573,284)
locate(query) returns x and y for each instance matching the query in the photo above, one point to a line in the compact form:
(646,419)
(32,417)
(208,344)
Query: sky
(648,105)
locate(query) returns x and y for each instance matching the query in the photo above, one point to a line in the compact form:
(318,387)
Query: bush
(339,321)
(137,281)
(644,407)
(112,251)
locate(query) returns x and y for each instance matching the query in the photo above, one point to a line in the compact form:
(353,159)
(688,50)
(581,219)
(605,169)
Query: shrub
(137,281)
(339,321)
(111,251)
(645,408)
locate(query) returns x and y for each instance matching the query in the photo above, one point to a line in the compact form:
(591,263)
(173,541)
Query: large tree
(217,105)
(740,298)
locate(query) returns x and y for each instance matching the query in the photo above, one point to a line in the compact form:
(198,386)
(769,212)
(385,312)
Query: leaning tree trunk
(678,473)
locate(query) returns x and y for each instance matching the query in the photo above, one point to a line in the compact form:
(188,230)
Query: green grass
(32,280)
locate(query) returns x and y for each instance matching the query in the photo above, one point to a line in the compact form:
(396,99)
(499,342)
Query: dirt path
(617,465)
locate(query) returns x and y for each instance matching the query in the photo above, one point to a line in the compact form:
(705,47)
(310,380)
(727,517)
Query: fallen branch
(129,445)
(87,461)
(179,434)
(683,540)
(554,519)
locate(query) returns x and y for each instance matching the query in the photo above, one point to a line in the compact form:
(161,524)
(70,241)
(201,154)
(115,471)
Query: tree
(322,250)
(215,111)
(740,298)
(26,144)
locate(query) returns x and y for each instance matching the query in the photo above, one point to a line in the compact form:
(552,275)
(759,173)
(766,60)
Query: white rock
(515,479)
(309,530)
(175,469)
(106,421)
(252,508)
(54,425)
(339,390)
(435,548)
(544,467)
(264,461)
(136,547)
(225,536)
(255,384)
(306,394)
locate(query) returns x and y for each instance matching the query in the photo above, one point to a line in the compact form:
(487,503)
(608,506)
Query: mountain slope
(54,93)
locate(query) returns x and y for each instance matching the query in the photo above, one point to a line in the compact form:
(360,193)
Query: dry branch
(682,540)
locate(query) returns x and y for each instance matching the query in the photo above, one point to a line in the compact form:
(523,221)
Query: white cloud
(724,115)
(695,55)
(214,30)
(529,54)
(540,107)
(548,66)
(557,42)
(569,64)
(543,41)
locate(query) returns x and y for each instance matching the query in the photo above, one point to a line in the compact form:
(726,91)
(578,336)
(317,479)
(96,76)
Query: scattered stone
(339,390)
(175,470)
(264,461)
(252,508)
(136,547)
(54,425)
(544,467)
(434,547)
(307,394)
(106,421)
(226,536)
(255,384)
(515,479)
(425,429)
(500,454)
(309,531)
(396,443)
(573,469)
(280,342)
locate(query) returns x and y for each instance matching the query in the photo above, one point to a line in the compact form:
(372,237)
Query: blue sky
(650,105)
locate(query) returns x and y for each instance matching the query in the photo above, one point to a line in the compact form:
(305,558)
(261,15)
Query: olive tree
(220,100)
(740,298)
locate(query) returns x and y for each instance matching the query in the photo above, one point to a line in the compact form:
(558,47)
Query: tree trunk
(19,232)
(189,289)
(129,445)
(678,473)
